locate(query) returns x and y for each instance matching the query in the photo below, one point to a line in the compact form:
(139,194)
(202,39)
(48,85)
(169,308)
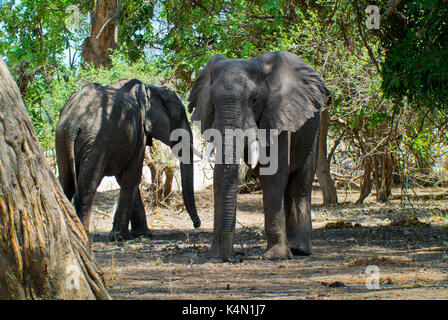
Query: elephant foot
(119,236)
(237,256)
(278,252)
(213,253)
(143,232)
(301,248)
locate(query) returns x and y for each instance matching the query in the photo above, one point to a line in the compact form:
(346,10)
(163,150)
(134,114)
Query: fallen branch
(431,249)
(102,213)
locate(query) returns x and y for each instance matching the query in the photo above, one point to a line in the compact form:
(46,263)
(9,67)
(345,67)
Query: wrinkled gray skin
(276,90)
(103,131)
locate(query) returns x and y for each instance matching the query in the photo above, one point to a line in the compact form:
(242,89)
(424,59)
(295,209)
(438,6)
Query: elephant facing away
(103,131)
(276,91)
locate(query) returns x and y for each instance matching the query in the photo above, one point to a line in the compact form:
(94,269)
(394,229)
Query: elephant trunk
(225,205)
(187,170)
(187,178)
(226,179)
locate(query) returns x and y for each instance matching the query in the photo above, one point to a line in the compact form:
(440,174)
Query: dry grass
(175,263)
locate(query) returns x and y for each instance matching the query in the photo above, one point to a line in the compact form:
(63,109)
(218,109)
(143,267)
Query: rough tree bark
(44,251)
(326,183)
(366,185)
(387,168)
(104,33)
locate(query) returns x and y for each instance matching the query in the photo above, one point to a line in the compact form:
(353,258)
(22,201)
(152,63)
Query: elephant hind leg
(139,226)
(122,215)
(129,202)
(89,179)
(83,201)
(67,182)
(65,173)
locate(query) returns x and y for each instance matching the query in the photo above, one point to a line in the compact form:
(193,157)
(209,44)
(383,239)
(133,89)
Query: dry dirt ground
(399,249)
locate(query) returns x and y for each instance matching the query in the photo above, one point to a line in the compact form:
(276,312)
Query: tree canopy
(377,76)
(416,63)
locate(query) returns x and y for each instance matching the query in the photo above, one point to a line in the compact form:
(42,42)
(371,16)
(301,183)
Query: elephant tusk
(273,137)
(254,153)
(207,155)
(208,151)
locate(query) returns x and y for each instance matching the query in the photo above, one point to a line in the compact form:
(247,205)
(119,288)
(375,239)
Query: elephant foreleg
(298,217)
(274,187)
(298,206)
(129,201)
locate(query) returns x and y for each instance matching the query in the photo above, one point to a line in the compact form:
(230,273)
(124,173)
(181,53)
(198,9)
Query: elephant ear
(173,105)
(144,96)
(296,92)
(139,94)
(200,99)
(136,93)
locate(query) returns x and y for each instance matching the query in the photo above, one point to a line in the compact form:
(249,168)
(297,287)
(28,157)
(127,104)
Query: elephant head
(168,111)
(163,112)
(276,90)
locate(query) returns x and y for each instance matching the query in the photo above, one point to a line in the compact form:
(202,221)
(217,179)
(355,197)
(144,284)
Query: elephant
(277,92)
(103,131)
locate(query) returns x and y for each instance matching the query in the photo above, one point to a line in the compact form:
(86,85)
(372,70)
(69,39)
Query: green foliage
(136,29)
(416,66)
(45,110)
(374,75)
(34,37)
(237,29)
(39,48)
(421,143)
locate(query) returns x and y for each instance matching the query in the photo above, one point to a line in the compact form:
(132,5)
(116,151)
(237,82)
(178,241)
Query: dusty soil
(404,241)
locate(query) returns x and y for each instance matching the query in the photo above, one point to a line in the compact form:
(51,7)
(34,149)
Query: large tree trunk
(44,251)
(104,33)
(326,183)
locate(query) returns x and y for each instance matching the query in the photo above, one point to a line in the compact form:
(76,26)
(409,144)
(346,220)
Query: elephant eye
(254,98)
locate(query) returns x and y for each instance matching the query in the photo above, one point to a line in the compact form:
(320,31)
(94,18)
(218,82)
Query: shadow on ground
(409,261)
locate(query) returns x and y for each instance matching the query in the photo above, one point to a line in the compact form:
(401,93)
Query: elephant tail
(70,141)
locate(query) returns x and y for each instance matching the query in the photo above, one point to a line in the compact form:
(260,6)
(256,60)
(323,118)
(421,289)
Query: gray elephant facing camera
(279,91)
(103,131)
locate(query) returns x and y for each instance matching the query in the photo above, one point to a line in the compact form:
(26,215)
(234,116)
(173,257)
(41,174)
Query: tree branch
(393,6)
(59,9)
(114,17)
(336,144)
